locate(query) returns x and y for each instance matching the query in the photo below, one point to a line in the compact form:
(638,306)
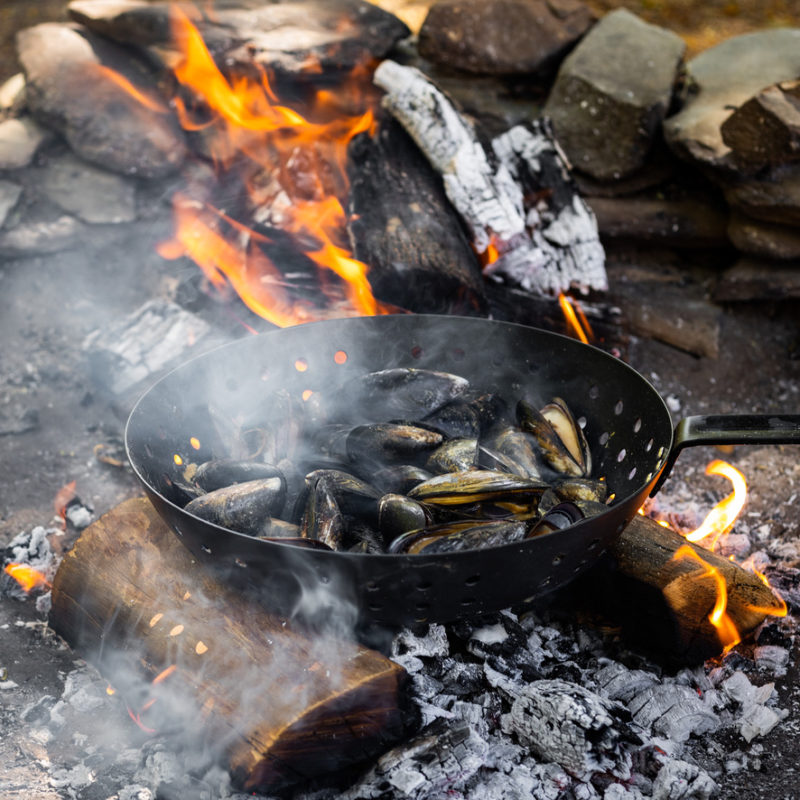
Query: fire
(726,629)
(62,499)
(287,156)
(27,577)
(722,517)
(576,319)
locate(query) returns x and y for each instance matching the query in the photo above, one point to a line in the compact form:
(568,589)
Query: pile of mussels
(441,467)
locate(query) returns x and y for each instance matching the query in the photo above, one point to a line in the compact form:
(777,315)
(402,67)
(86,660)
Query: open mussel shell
(216,474)
(581,489)
(570,457)
(460,488)
(515,451)
(242,507)
(452,537)
(323,519)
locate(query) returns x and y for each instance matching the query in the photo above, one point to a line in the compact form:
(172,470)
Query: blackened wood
(514,194)
(662,603)
(402,226)
(286,37)
(277,704)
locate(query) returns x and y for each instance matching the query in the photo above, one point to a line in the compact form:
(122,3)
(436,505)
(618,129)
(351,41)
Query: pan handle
(730,429)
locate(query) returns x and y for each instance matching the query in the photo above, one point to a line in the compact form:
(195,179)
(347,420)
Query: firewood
(402,225)
(278,705)
(514,194)
(663,603)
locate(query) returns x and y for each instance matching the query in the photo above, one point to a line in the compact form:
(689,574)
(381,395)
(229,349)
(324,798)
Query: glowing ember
(177,459)
(162,676)
(62,499)
(27,577)
(721,518)
(576,319)
(726,630)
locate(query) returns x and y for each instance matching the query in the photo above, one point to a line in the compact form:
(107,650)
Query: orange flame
(305,160)
(62,499)
(726,629)
(721,518)
(26,576)
(141,97)
(576,319)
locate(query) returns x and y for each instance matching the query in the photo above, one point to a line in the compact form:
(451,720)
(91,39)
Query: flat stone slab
(40,237)
(284,36)
(69,89)
(19,141)
(752,279)
(612,92)
(9,196)
(764,239)
(502,37)
(723,78)
(772,195)
(90,193)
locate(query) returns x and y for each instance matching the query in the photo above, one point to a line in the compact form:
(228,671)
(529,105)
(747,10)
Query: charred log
(403,227)
(276,705)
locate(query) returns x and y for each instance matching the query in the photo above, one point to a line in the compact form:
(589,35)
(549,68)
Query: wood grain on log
(664,603)
(276,705)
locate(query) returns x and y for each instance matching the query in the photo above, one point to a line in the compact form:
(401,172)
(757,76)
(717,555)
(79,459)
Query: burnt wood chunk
(403,227)
(71,88)
(663,603)
(275,705)
(284,37)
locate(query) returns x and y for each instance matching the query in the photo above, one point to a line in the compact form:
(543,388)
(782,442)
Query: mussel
(388,442)
(453,456)
(242,507)
(220,472)
(461,488)
(454,536)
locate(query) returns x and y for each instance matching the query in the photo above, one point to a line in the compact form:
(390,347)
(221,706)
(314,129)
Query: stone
(612,93)
(12,94)
(287,36)
(40,237)
(720,80)
(686,223)
(765,130)
(9,196)
(19,141)
(69,88)
(765,239)
(91,194)
(772,195)
(752,279)
(502,37)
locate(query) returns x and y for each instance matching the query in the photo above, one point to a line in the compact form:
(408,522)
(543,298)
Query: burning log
(664,598)
(277,705)
(514,194)
(403,227)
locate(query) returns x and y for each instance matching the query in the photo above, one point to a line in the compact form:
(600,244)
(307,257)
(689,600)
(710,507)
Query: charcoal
(462,679)
(679,780)
(672,711)
(771,658)
(432,643)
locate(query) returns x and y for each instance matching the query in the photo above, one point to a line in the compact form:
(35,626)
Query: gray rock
(90,193)
(68,89)
(19,141)
(502,37)
(723,78)
(282,36)
(766,239)
(612,92)
(9,196)
(758,279)
(772,195)
(765,131)
(39,237)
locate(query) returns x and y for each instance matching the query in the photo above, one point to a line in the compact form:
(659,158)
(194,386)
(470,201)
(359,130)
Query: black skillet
(627,425)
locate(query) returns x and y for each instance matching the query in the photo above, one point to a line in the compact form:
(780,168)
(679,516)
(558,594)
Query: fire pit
(621,725)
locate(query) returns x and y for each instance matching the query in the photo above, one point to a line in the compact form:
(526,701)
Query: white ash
(31,548)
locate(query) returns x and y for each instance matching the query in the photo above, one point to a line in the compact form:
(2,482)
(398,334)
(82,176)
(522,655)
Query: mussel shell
(455,536)
(553,450)
(400,478)
(458,488)
(323,519)
(402,392)
(581,489)
(517,450)
(388,442)
(352,495)
(456,420)
(398,514)
(558,518)
(557,413)
(242,507)
(220,472)
(453,456)
(275,528)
